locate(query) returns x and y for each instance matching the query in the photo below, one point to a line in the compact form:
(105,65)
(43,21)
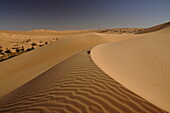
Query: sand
(12,40)
(27,66)
(76,85)
(141,65)
(59,77)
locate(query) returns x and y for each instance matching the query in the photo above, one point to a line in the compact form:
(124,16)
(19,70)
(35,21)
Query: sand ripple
(75,86)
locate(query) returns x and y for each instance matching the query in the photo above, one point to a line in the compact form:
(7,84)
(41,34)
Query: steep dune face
(17,71)
(76,85)
(142,65)
(155,28)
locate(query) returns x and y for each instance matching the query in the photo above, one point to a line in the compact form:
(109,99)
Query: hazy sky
(81,14)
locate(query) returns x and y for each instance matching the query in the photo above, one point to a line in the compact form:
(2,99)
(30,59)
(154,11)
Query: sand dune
(154,28)
(73,86)
(142,64)
(44,32)
(17,71)
(25,67)
(51,79)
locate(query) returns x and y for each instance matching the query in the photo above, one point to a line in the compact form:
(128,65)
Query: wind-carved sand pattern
(76,85)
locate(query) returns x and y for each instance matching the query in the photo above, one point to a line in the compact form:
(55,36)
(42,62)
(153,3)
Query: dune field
(91,71)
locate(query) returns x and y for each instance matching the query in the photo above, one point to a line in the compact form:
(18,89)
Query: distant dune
(154,28)
(121,30)
(43,32)
(88,71)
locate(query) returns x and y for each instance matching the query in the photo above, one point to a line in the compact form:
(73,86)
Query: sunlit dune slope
(142,65)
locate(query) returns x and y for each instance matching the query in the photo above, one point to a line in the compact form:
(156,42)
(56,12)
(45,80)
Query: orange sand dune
(76,85)
(141,64)
(49,79)
(25,67)
(17,71)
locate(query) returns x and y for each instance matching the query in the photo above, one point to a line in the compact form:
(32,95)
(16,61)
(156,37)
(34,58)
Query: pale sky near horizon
(22,15)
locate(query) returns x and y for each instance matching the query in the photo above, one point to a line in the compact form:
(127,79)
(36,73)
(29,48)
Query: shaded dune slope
(76,85)
(154,28)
